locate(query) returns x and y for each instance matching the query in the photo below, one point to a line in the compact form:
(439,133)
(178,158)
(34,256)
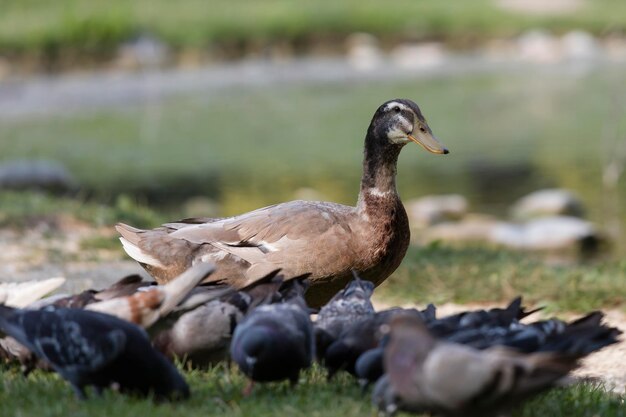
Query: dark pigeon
(369,366)
(348,306)
(275,342)
(88,348)
(360,337)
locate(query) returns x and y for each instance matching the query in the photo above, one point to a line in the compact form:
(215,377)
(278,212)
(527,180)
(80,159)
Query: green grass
(440,274)
(217,392)
(97,27)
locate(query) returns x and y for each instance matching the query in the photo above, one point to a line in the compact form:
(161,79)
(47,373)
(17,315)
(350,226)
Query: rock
(201,207)
(556,233)
(144,51)
(474,228)
(539,46)
(5,68)
(579,44)
(364,52)
(36,174)
(429,210)
(541,7)
(308,194)
(418,56)
(615,47)
(549,202)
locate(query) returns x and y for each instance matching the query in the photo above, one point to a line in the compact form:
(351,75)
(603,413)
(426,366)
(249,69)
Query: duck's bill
(428,142)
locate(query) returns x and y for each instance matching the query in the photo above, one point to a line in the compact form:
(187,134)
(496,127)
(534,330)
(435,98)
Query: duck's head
(399,122)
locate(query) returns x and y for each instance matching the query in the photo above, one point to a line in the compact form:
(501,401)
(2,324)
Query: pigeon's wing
(70,350)
(72,341)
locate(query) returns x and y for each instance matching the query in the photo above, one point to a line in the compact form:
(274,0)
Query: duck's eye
(396,109)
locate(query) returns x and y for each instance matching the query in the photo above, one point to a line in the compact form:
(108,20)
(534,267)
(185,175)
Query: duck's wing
(294,237)
(264,227)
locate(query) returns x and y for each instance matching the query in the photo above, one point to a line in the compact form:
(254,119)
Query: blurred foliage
(96,26)
(21,209)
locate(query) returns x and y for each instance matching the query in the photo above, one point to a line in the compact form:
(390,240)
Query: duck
(322,239)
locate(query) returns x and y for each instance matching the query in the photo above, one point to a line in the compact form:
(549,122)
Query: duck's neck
(379,173)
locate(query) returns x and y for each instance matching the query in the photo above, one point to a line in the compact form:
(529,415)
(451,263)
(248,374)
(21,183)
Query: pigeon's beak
(251,362)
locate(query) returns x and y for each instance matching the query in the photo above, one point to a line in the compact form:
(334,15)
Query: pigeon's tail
(144,308)
(583,336)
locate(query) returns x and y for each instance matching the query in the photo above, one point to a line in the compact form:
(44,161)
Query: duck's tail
(131,238)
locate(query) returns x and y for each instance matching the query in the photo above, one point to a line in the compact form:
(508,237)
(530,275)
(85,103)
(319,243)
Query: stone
(429,210)
(579,44)
(474,228)
(145,51)
(555,233)
(363,51)
(548,202)
(36,174)
(540,47)
(419,55)
(201,207)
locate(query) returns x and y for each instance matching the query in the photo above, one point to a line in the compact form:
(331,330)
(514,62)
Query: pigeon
(274,342)
(89,348)
(201,337)
(428,375)
(499,327)
(145,308)
(122,288)
(153,307)
(347,307)
(369,366)
(21,294)
(358,338)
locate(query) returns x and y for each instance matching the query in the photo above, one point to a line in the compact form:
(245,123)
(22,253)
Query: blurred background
(149,110)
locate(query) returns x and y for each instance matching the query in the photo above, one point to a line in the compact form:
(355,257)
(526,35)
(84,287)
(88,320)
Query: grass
(438,274)
(217,392)
(77,27)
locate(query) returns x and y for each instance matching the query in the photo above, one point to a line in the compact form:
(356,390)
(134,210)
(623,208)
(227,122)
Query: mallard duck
(325,240)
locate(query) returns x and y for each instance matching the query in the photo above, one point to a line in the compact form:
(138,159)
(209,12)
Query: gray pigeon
(424,374)
(348,306)
(201,336)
